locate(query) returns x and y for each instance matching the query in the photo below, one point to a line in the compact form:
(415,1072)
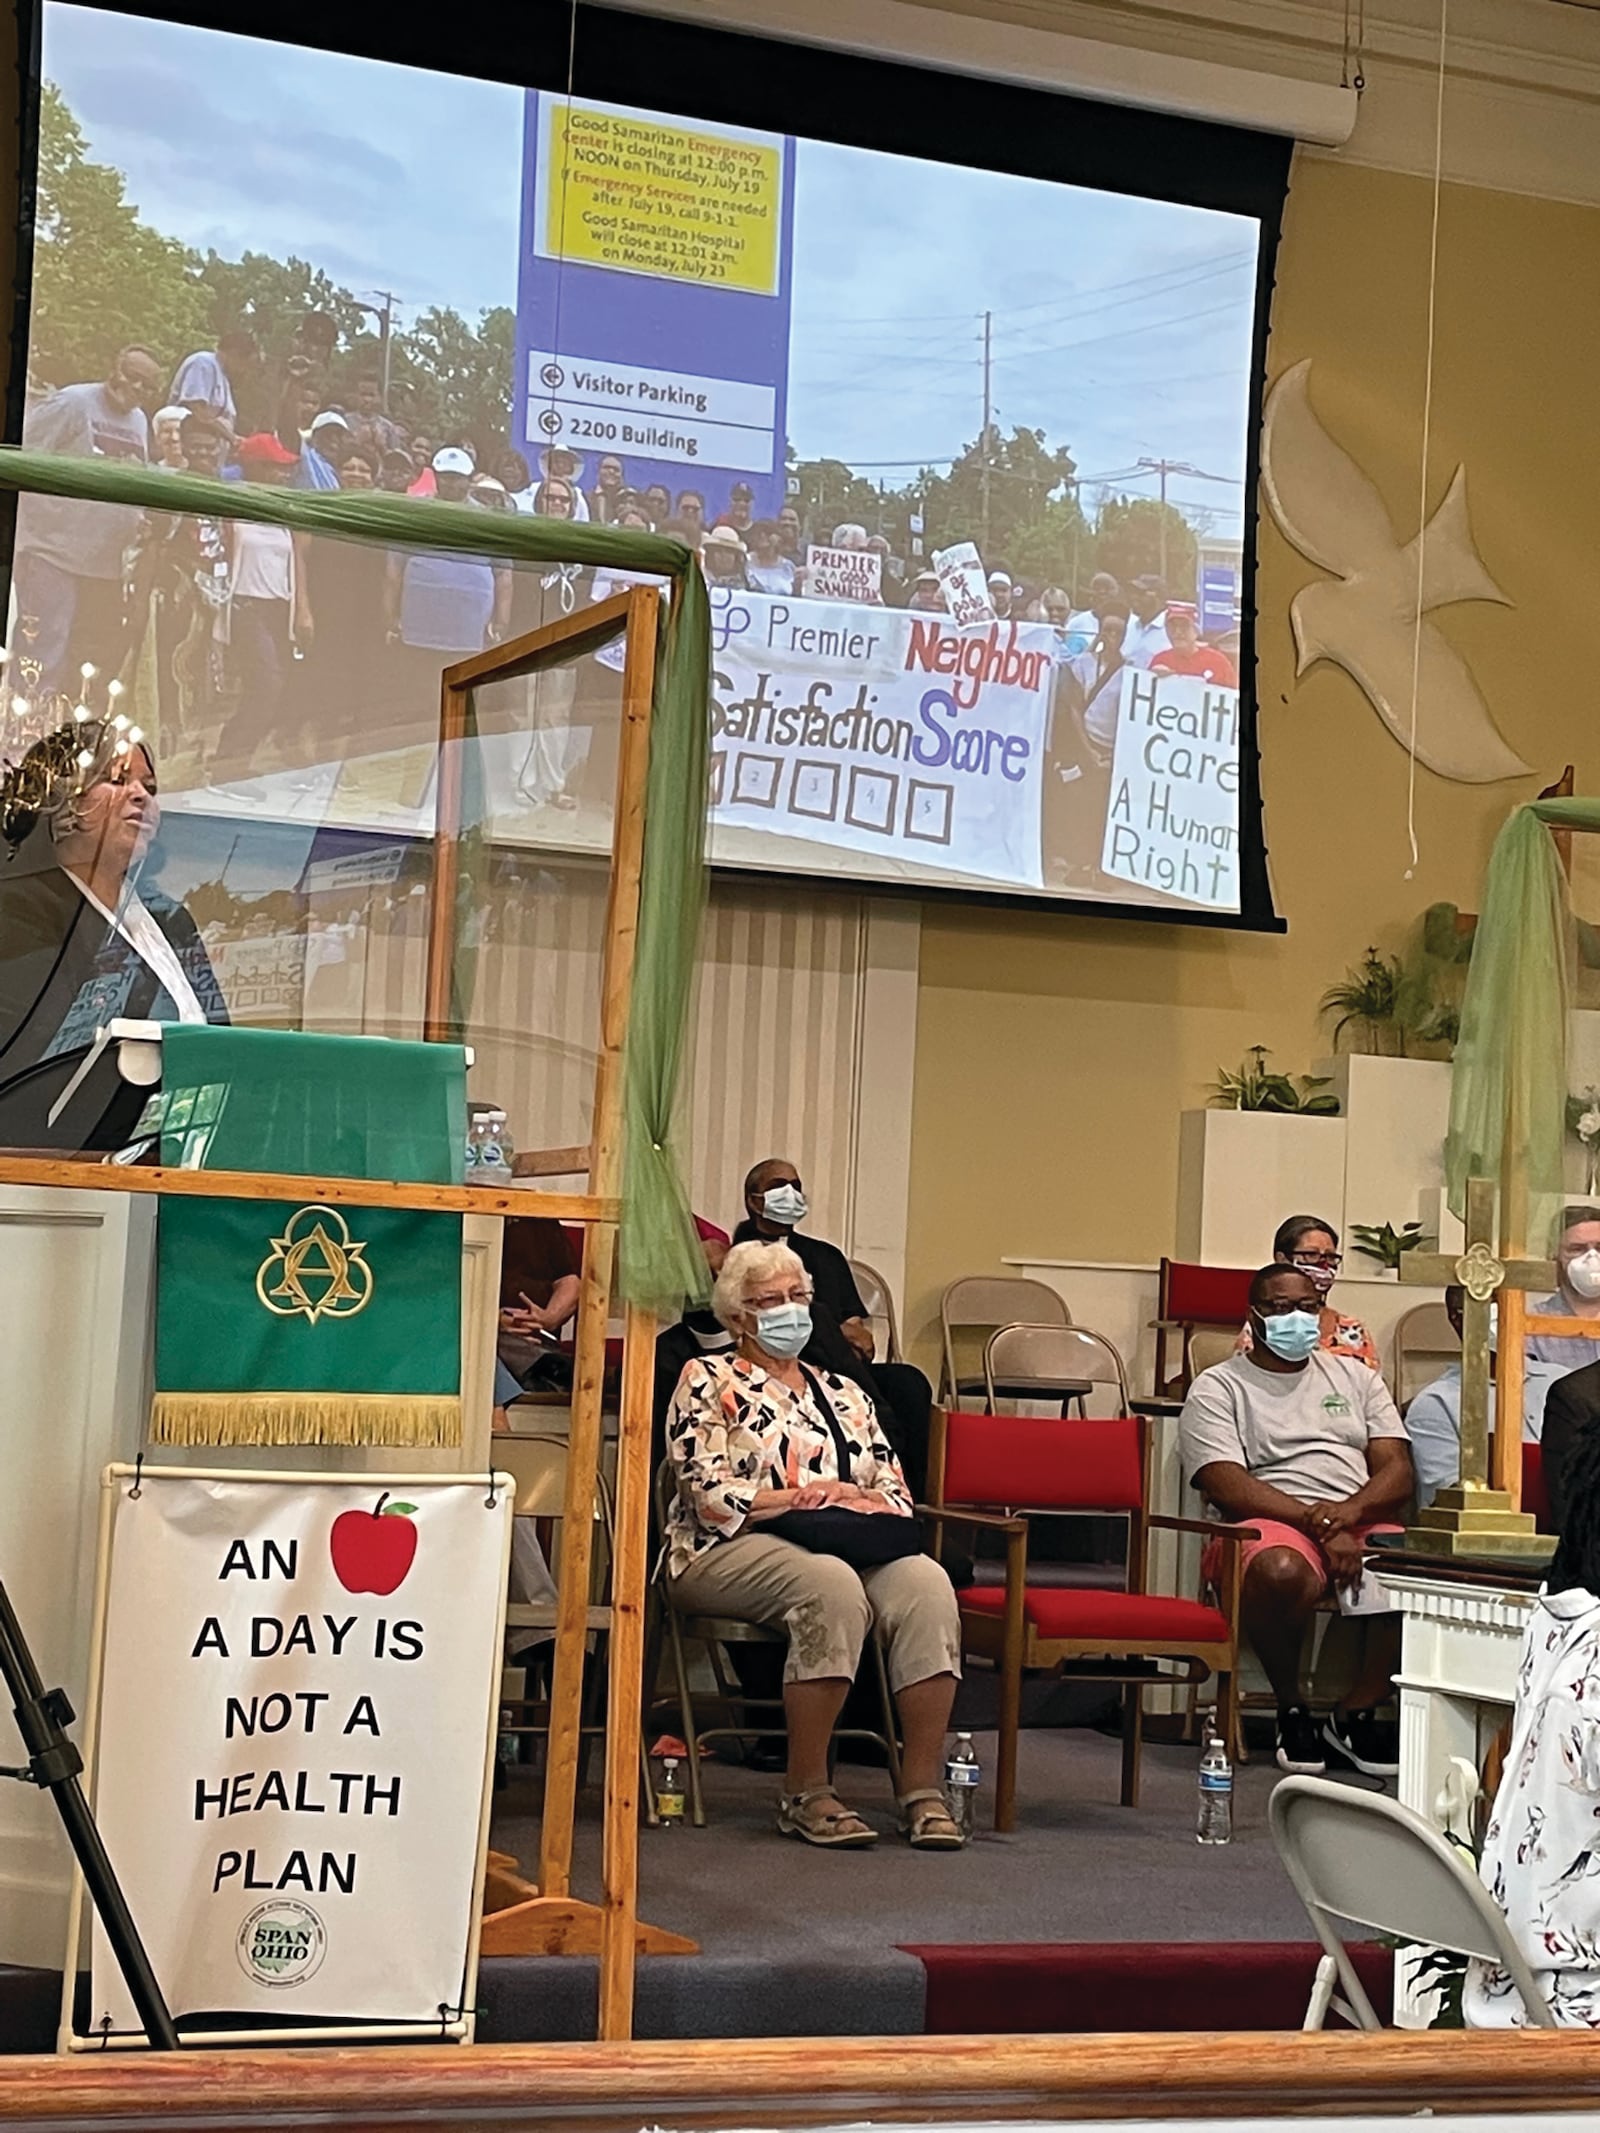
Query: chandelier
(52,747)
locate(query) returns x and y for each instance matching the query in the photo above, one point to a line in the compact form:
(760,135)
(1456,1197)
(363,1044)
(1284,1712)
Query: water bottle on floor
(961,1775)
(669,1794)
(1214,1821)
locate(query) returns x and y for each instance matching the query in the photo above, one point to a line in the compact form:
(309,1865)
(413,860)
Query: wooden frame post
(554,1918)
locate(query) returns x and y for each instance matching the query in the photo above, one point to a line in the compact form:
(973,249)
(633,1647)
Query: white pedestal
(1396,1112)
(1457,1680)
(1241,1172)
(76,1272)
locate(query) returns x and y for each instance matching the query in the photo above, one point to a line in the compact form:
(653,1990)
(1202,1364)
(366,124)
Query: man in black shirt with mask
(841,1339)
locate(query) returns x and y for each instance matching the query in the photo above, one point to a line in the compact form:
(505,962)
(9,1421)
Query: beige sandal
(933,1829)
(821,1817)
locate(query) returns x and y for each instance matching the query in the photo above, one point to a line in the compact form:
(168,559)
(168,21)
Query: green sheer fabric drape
(1511,1059)
(661,1261)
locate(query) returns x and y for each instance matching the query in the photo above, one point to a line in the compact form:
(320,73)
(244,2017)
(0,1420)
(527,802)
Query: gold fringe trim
(305,1418)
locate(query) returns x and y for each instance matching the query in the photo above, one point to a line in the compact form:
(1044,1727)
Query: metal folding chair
(1359,1856)
(979,1303)
(879,1300)
(1062,1363)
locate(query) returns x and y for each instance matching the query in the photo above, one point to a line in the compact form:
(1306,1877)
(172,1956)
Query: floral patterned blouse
(1541,1854)
(733,1429)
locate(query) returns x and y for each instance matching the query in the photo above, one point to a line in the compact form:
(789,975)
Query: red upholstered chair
(1535,1496)
(999,1472)
(1188,1297)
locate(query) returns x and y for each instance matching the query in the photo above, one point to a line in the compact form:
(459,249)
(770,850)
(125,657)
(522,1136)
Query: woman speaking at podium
(80,941)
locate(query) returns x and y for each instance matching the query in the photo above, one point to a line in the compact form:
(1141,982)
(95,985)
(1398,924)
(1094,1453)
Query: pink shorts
(1276,1535)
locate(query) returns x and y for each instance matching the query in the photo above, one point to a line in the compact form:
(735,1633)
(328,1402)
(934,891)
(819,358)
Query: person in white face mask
(1304,1448)
(1578,1268)
(775,1205)
(1312,1245)
(1433,1419)
(758,1440)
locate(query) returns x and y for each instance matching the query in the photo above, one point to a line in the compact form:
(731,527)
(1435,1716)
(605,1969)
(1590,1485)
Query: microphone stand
(54,1764)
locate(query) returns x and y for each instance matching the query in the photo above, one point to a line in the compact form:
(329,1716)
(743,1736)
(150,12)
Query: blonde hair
(746,1266)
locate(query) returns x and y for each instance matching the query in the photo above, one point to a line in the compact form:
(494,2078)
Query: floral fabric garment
(1541,1856)
(733,1430)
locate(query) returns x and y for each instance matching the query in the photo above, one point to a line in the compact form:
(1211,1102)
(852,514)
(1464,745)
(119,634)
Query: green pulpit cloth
(278,1323)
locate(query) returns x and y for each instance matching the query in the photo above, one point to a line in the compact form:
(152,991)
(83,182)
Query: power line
(1077,309)
(1179,276)
(1098,340)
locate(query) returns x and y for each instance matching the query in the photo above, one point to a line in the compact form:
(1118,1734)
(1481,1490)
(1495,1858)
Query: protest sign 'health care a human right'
(1172,823)
(294,1715)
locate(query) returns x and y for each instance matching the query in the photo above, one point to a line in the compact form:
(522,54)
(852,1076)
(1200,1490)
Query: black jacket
(63,972)
(1571,1405)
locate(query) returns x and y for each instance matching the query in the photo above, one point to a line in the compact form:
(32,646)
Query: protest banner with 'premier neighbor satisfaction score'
(882,731)
(298,1683)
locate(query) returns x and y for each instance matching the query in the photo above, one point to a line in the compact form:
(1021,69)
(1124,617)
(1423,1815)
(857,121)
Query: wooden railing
(816,2081)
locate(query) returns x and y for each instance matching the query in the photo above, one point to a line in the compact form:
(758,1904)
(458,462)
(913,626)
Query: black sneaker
(1299,1743)
(1371,1743)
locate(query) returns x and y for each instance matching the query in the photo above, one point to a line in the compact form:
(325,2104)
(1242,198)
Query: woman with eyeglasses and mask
(1312,1245)
(756,1438)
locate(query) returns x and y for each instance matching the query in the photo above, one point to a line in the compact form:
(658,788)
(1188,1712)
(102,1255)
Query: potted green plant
(1397,1002)
(1256,1087)
(1387,1245)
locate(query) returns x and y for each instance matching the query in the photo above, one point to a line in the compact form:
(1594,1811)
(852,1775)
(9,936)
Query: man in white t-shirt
(1147,632)
(1307,1448)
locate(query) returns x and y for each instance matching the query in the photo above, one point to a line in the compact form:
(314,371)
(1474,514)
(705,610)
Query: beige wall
(1055,1054)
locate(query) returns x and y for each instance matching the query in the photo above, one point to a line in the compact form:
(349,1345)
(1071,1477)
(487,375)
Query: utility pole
(382,309)
(1162,468)
(983,514)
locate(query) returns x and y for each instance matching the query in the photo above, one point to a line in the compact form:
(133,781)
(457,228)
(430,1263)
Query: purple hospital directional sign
(653,298)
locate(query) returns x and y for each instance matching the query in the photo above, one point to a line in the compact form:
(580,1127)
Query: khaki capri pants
(826,1609)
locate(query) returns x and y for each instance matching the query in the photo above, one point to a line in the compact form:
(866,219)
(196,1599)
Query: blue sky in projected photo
(1122,327)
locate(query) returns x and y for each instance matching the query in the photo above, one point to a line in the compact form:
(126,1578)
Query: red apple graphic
(373,1550)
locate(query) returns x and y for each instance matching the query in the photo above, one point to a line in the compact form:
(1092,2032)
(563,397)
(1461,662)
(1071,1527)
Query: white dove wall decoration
(1366,623)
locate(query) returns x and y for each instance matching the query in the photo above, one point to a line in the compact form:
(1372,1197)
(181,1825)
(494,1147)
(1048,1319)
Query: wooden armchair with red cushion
(999,1473)
(1189,1299)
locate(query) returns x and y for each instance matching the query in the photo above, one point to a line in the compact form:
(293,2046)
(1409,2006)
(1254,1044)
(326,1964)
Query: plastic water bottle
(488,1147)
(669,1794)
(961,1775)
(1214,1820)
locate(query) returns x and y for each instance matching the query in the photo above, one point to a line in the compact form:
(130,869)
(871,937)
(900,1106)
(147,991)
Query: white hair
(849,536)
(745,1268)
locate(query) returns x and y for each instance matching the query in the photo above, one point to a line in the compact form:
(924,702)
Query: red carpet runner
(1118,1986)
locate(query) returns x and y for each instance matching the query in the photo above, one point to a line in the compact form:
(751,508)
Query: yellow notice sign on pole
(648,198)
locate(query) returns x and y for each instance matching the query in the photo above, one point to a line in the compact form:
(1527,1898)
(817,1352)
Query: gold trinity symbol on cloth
(314,1270)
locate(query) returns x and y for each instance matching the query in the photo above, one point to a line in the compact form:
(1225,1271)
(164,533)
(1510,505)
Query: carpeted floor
(1078,1867)
(1090,1915)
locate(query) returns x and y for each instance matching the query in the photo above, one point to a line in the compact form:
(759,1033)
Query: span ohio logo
(282,1943)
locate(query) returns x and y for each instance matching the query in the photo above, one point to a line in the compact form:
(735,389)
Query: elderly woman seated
(756,1436)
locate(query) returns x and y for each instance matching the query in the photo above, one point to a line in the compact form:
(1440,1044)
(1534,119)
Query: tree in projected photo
(103,277)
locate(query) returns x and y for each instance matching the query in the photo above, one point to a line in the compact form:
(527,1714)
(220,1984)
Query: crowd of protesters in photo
(237,612)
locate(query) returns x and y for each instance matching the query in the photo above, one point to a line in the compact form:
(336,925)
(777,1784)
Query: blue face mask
(784,1329)
(1292,1335)
(785,1204)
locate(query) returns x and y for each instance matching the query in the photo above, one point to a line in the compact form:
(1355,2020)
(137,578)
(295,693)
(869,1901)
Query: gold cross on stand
(1471,1517)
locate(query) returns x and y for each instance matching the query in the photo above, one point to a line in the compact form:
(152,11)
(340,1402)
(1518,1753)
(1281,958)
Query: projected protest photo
(962,453)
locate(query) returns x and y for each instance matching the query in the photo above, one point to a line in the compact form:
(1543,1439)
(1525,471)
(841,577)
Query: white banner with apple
(294,1739)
